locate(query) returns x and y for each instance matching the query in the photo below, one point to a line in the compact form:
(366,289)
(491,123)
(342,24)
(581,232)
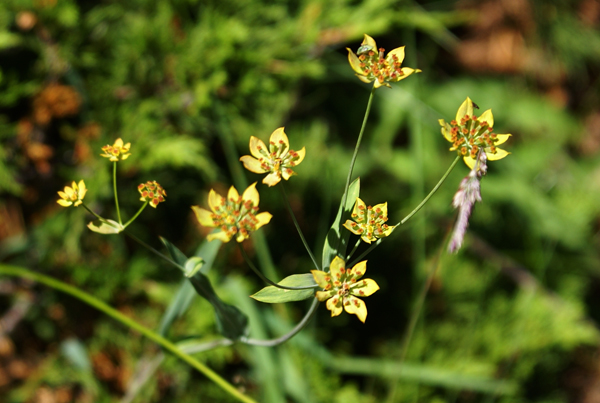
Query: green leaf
(105,226)
(337,237)
(275,295)
(231,322)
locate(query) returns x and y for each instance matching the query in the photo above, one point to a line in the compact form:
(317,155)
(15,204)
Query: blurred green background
(511,318)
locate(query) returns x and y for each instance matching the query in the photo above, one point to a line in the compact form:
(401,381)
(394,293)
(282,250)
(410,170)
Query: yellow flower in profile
(152,193)
(235,215)
(278,159)
(117,151)
(369,222)
(342,286)
(369,64)
(469,134)
(72,195)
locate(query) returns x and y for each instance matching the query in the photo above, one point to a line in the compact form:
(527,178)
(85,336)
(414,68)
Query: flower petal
(498,155)
(367,40)
(398,52)
(466,108)
(301,155)
(279,136)
(272,179)
(262,219)
(365,287)
(359,269)
(469,161)
(252,164)
(382,208)
(251,194)
(214,200)
(446,128)
(323,295)
(354,63)
(221,236)
(320,278)
(359,208)
(256,145)
(487,117)
(203,216)
(64,203)
(233,194)
(337,267)
(348,226)
(406,71)
(118,143)
(364,79)
(334,305)
(356,306)
(501,138)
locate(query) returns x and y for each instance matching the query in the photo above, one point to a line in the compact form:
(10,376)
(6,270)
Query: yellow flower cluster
(118,151)
(72,196)
(152,192)
(369,222)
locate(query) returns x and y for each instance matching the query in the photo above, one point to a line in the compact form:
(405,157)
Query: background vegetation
(511,318)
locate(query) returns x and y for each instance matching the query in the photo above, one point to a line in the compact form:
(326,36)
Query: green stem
(136,214)
(353,160)
(115,189)
(426,199)
(118,316)
(289,207)
(287,336)
(365,253)
(92,213)
(353,249)
(265,279)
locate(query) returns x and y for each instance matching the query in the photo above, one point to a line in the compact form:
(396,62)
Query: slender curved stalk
(265,279)
(115,190)
(151,249)
(289,207)
(130,323)
(353,250)
(365,253)
(437,186)
(358,141)
(136,214)
(287,336)
(92,213)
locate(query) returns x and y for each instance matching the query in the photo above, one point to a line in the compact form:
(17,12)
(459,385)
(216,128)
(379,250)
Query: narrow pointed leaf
(275,295)
(337,237)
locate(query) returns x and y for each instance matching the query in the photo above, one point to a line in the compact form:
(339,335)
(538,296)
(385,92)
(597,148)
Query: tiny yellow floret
(118,151)
(72,196)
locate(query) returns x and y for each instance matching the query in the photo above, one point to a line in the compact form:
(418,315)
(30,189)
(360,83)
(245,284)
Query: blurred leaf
(337,239)
(275,295)
(105,227)
(231,322)
(192,266)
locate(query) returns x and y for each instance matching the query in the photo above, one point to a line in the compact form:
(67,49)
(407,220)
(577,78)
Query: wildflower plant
(337,277)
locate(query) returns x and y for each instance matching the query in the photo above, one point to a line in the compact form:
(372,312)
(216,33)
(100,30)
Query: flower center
(469,135)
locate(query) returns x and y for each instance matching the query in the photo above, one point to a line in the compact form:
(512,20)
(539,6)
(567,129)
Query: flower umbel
(278,159)
(117,151)
(468,193)
(369,222)
(72,195)
(369,64)
(235,215)
(152,193)
(469,134)
(342,286)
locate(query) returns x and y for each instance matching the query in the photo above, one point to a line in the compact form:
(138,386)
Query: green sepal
(337,237)
(275,295)
(105,226)
(231,322)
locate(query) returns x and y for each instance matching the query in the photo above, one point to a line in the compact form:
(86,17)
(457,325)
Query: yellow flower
(117,151)
(234,215)
(369,65)
(469,134)
(72,195)
(369,222)
(278,160)
(341,287)
(152,192)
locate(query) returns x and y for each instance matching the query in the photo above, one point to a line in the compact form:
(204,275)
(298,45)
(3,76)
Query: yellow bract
(369,222)
(278,159)
(470,134)
(342,286)
(117,151)
(72,195)
(235,215)
(369,64)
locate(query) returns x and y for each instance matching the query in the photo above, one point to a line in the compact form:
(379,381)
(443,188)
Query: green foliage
(276,295)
